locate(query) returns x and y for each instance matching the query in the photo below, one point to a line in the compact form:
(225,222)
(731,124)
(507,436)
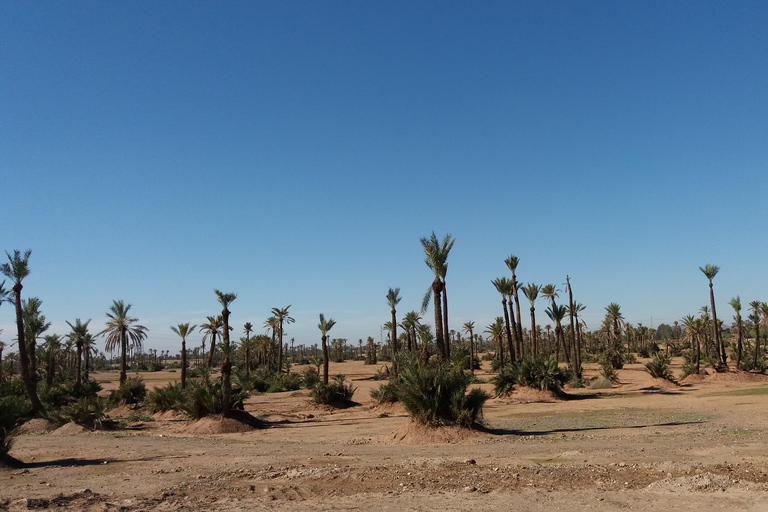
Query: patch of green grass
(598,420)
(748,392)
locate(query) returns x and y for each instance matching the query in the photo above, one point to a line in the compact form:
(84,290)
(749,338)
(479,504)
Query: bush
(285,382)
(607,371)
(659,367)
(539,373)
(204,398)
(89,411)
(600,382)
(436,394)
(688,369)
(132,391)
(13,408)
(505,381)
(385,393)
(747,364)
(256,381)
(335,393)
(310,377)
(165,399)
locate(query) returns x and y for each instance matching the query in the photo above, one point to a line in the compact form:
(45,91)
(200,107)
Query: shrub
(285,382)
(310,377)
(659,367)
(607,371)
(89,411)
(436,394)
(205,398)
(334,393)
(255,381)
(539,373)
(688,369)
(164,399)
(132,391)
(385,393)
(600,382)
(747,364)
(13,408)
(505,381)
(460,357)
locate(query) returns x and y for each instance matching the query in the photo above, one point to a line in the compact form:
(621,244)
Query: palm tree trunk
(471,352)
(738,341)
(213,346)
(78,379)
(226,365)
(518,352)
(183,363)
(510,342)
(519,318)
(534,341)
(446,339)
(437,288)
(123,358)
(716,328)
(325,360)
(280,348)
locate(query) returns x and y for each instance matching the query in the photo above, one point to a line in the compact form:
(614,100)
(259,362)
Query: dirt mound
(526,395)
(662,385)
(70,429)
(169,415)
(237,421)
(123,410)
(738,376)
(693,378)
(36,426)
(415,434)
(705,482)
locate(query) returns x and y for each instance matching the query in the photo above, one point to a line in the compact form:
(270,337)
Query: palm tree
(735,303)
(575,309)
(120,331)
(77,336)
(17,269)
(469,328)
(436,256)
(281,315)
(409,324)
(496,331)
(211,329)
(52,348)
(503,286)
(325,326)
(225,299)
(694,327)
(512,261)
(711,271)
(615,318)
(183,330)
(393,299)
(246,344)
(532,292)
(575,340)
(89,349)
(556,313)
(34,326)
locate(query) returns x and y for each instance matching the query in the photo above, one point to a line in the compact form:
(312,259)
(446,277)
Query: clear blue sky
(295,152)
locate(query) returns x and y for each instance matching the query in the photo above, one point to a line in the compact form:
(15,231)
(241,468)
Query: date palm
(436,253)
(211,328)
(556,313)
(512,261)
(531,293)
(504,287)
(469,329)
(325,326)
(16,270)
(694,328)
(225,299)
(183,330)
(121,331)
(246,344)
(496,331)
(282,317)
(711,271)
(34,327)
(52,349)
(77,336)
(735,303)
(393,299)
(409,324)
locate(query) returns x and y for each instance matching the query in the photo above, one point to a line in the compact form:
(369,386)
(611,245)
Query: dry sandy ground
(642,445)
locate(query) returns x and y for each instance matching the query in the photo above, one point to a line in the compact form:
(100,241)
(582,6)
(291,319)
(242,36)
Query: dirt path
(641,445)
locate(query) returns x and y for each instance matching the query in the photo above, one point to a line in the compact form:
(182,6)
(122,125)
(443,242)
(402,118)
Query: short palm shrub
(659,367)
(504,382)
(310,377)
(385,393)
(165,399)
(436,394)
(255,381)
(131,392)
(539,373)
(607,371)
(285,382)
(88,411)
(205,398)
(335,393)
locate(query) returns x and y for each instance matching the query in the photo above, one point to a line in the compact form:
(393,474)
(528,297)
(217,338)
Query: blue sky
(295,152)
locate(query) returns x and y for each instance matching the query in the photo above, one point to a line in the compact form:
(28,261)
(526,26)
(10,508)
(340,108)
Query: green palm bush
(659,367)
(540,373)
(130,392)
(165,399)
(334,393)
(88,411)
(385,393)
(13,408)
(436,394)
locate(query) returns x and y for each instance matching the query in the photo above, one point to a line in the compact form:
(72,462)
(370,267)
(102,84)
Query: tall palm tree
(183,330)
(735,303)
(211,328)
(575,340)
(393,299)
(17,269)
(325,326)
(512,261)
(225,299)
(469,328)
(694,327)
(615,318)
(556,313)
(504,287)
(496,331)
(247,327)
(34,327)
(436,253)
(711,271)
(120,331)
(282,318)
(532,292)
(409,324)
(77,335)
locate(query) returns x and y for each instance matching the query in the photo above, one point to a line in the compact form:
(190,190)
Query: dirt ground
(641,445)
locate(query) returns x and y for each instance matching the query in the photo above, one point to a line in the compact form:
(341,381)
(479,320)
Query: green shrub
(89,411)
(659,367)
(688,369)
(540,373)
(165,399)
(13,408)
(256,381)
(205,398)
(607,371)
(385,393)
(285,382)
(748,364)
(310,377)
(600,382)
(132,391)
(436,394)
(335,393)
(504,382)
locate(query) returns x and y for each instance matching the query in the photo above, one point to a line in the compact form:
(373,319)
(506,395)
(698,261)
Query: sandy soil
(641,445)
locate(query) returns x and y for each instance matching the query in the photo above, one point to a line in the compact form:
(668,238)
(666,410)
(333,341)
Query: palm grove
(431,369)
